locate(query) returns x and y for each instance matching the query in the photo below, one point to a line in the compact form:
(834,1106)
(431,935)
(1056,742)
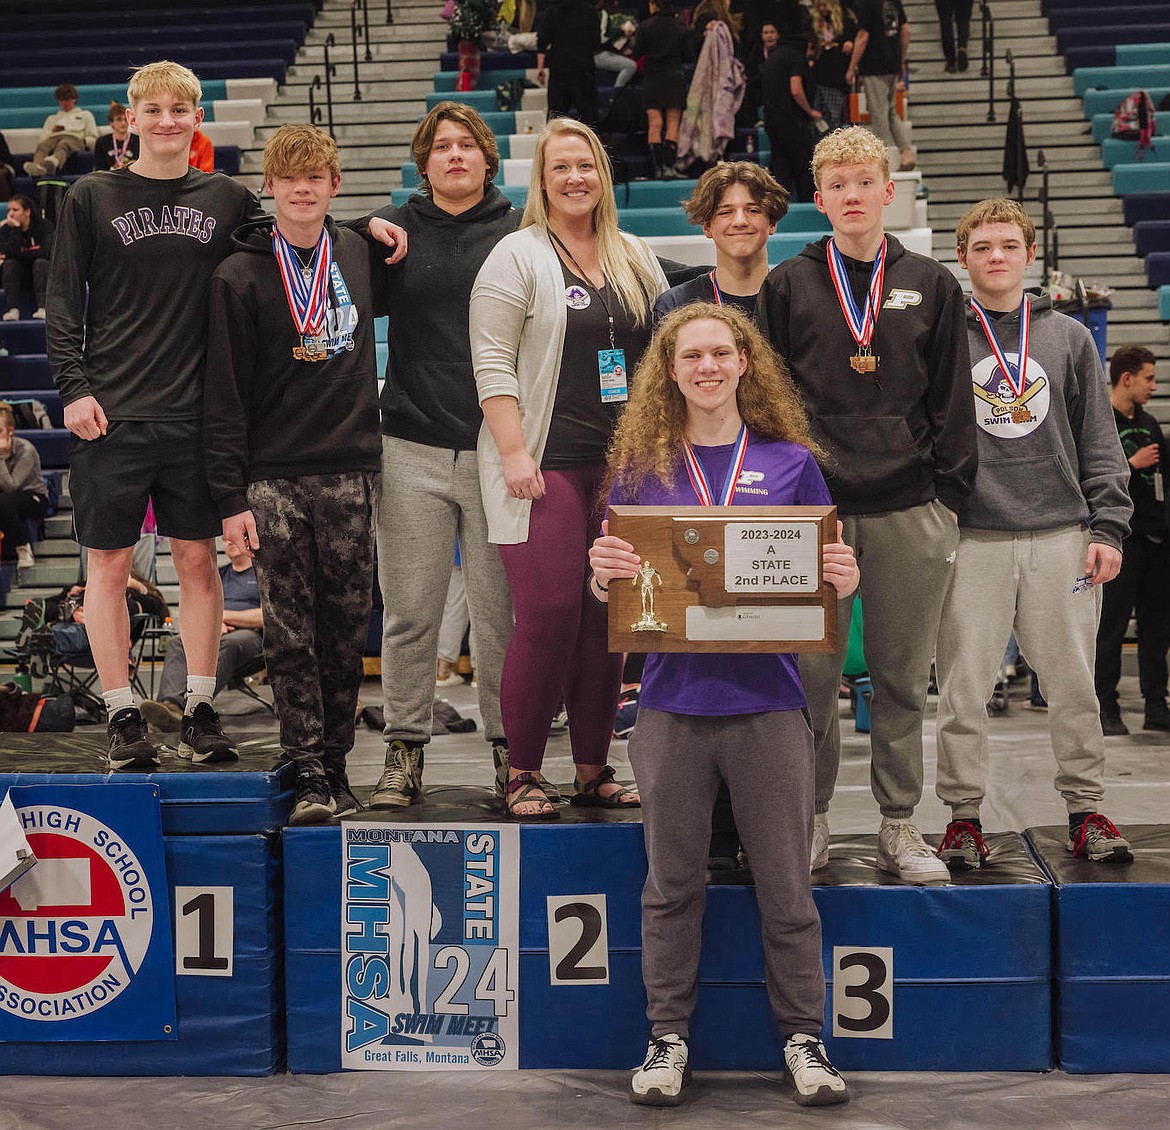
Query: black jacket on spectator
(883,19)
(36,243)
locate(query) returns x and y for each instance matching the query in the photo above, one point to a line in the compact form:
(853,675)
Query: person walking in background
(954,26)
(880,49)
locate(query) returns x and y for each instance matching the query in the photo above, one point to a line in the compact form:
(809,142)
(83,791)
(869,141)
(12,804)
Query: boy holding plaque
(1040,534)
(877,344)
(711,406)
(293,450)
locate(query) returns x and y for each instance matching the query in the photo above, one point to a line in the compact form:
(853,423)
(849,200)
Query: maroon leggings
(559,646)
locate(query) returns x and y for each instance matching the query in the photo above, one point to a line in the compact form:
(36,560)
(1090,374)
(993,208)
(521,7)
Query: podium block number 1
(863,992)
(204,931)
(578,940)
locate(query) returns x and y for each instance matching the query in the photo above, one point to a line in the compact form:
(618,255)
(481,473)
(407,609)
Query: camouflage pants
(315,568)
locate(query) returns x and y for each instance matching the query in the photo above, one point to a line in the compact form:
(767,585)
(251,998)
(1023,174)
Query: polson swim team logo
(576,297)
(998,411)
(75,929)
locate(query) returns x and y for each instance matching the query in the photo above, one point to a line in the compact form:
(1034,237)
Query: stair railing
(330,71)
(987,68)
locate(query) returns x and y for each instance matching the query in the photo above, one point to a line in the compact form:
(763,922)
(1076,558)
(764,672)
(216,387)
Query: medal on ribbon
(307,292)
(699,481)
(861,323)
(1015,375)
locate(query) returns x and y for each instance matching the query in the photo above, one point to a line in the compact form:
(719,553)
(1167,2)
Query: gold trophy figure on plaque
(648,622)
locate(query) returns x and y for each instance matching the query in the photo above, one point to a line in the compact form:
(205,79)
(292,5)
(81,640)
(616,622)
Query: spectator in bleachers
(241,642)
(119,147)
(617,32)
(954,24)
(202,155)
(431,422)
(757,56)
(788,116)
(833,28)
(790,18)
(1142,588)
(23,494)
(879,55)
(738,205)
(560,314)
(567,38)
(1041,533)
(66,132)
(25,244)
(292,447)
(127,334)
(667,48)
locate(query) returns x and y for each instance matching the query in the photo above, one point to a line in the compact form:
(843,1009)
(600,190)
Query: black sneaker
(1157,715)
(344,801)
(1111,724)
(129,748)
(962,847)
(313,803)
(963,61)
(1097,839)
(201,737)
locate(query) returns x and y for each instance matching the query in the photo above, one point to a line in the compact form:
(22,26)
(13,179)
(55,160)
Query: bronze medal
(864,363)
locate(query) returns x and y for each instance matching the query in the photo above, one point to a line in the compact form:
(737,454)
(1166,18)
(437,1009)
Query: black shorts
(111,479)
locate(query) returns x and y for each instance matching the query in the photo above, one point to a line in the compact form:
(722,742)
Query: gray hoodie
(1051,456)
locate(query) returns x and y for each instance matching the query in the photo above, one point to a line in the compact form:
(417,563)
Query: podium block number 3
(578,940)
(863,992)
(204,931)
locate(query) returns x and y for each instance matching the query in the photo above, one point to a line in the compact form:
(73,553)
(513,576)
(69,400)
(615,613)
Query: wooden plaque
(724,578)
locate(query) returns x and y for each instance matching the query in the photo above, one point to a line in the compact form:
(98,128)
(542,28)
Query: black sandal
(589,794)
(519,790)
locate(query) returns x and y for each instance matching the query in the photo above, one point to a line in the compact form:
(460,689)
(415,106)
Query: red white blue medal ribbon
(862,323)
(699,479)
(718,292)
(308,299)
(1015,374)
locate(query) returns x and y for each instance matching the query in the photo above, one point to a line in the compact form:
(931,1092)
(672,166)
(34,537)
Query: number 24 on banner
(430,946)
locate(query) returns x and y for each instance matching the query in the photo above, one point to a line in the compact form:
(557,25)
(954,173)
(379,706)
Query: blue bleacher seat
(40,98)
(1151,206)
(1137,54)
(1106,101)
(1120,78)
(1164,303)
(491,61)
(52,445)
(25,372)
(1133,12)
(1158,268)
(1114,151)
(1151,235)
(445,80)
(1149,176)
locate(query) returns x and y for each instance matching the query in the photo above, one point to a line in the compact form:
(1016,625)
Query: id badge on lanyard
(613,376)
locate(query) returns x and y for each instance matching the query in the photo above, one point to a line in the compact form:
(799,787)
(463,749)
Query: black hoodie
(266,414)
(429,396)
(905,434)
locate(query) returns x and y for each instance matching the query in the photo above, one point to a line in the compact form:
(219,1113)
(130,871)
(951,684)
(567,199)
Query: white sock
(200,688)
(118,700)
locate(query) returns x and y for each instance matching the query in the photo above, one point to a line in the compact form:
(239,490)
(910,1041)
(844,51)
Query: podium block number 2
(578,940)
(204,931)
(863,992)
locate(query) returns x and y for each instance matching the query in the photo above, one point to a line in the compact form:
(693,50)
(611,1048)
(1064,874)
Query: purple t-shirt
(774,473)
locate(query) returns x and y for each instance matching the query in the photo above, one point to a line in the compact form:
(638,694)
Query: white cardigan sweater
(517,339)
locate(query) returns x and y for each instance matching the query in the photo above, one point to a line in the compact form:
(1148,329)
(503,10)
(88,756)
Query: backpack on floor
(1135,120)
(22,712)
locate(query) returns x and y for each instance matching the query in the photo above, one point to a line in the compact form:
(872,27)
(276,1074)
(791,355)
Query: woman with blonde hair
(833,29)
(713,409)
(560,314)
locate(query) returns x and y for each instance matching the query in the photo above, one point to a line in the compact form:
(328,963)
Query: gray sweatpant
(766,760)
(430,494)
(1023,581)
(905,558)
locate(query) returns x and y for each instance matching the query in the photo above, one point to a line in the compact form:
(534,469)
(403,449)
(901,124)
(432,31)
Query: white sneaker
(24,557)
(820,842)
(664,1073)
(12,314)
(902,851)
(814,1079)
(39,314)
